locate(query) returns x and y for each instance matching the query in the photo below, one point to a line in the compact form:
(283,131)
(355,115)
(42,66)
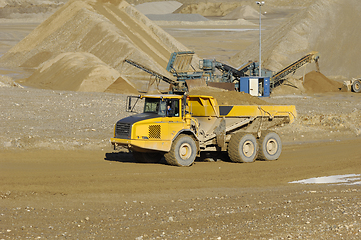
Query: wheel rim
(185,151)
(248,148)
(357,86)
(271,146)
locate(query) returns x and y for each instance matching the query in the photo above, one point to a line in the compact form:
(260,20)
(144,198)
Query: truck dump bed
(201,106)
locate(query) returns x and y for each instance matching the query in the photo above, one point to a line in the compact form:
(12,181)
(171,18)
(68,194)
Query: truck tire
(183,151)
(149,157)
(270,147)
(242,148)
(356,86)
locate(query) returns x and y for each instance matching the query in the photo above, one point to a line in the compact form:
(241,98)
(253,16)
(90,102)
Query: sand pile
(289,3)
(316,82)
(78,72)
(243,12)
(177,17)
(165,7)
(238,22)
(228,97)
(6,81)
(222,8)
(293,86)
(330,27)
(27,8)
(210,8)
(110,30)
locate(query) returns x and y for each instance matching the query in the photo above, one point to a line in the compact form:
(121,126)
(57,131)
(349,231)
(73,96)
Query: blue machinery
(244,79)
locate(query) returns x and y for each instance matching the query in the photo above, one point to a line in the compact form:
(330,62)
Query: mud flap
(220,132)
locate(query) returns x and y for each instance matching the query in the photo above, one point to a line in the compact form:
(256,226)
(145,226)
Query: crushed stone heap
(165,7)
(331,27)
(316,82)
(242,12)
(79,71)
(111,31)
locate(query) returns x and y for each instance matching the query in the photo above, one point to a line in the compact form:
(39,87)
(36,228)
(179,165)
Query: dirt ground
(99,194)
(60,178)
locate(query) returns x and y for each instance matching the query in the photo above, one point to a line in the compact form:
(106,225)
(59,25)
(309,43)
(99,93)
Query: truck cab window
(162,107)
(173,108)
(151,105)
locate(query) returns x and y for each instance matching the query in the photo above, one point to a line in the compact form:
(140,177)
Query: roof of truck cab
(162,96)
(172,96)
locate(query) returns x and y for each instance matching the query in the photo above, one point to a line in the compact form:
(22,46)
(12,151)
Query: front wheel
(242,148)
(356,86)
(270,147)
(183,151)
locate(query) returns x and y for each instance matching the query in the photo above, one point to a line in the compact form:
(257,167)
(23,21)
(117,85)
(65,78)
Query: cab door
(173,118)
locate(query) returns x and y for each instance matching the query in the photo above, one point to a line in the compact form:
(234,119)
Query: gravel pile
(163,7)
(177,17)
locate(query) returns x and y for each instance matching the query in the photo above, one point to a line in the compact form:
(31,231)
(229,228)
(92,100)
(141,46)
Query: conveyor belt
(279,76)
(151,72)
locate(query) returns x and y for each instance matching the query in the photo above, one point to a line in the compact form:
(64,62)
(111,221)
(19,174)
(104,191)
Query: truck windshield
(155,105)
(162,107)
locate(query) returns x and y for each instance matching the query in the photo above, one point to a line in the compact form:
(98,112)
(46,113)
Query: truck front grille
(154,131)
(123,129)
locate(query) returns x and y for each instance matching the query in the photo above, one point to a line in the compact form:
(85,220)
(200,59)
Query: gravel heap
(316,82)
(304,32)
(177,17)
(245,12)
(164,7)
(111,31)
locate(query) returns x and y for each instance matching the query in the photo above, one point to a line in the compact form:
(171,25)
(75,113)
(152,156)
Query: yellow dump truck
(181,128)
(353,85)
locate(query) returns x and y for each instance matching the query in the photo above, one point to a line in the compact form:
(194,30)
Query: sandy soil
(60,178)
(98,194)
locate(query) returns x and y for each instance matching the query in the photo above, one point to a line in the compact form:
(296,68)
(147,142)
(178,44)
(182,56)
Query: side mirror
(130,105)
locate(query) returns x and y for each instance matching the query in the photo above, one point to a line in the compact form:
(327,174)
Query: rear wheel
(242,148)
(183,151)
(356,86)
(148,157)
(270,147)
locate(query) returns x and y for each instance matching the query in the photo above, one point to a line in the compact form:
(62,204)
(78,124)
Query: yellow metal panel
(143,137)
(256,111)
(160,145)
(202,105)
(174,128)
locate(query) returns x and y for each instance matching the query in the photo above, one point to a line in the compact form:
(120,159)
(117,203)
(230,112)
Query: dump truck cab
(162,119)
(181,127)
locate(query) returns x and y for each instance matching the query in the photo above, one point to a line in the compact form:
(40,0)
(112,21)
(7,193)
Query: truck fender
(187,132)
(190,133)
